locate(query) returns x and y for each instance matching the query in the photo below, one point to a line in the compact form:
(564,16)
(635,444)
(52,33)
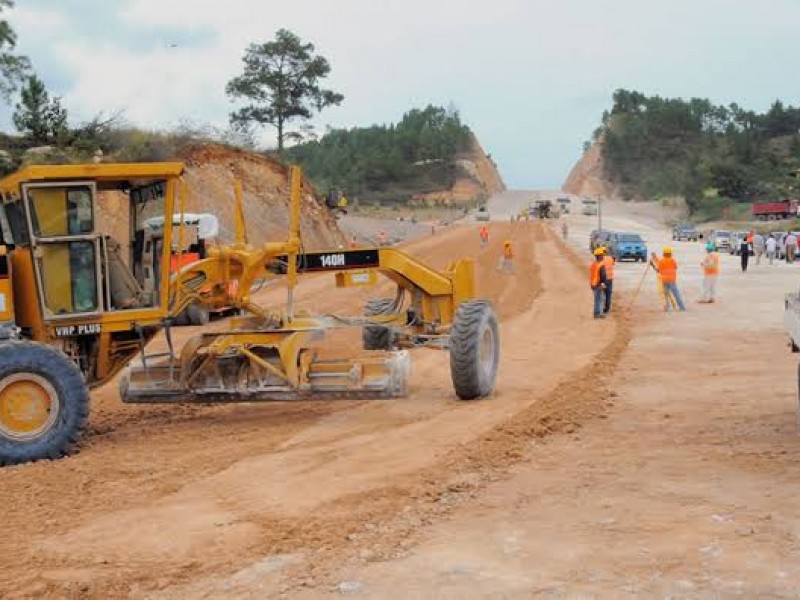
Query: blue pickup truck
(627,246)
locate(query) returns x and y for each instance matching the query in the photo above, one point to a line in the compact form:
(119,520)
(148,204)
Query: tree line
(412,156)
(654,146)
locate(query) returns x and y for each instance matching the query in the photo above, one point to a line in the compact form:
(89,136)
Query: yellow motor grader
(73,315)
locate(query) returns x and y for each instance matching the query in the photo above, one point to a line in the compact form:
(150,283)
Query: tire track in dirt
(138,455)
(385,520)
(211,491)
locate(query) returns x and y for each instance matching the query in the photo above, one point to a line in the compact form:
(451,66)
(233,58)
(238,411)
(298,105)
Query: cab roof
(91,171)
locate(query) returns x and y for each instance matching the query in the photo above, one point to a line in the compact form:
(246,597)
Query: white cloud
(154,88)
(41,22)
(530,76)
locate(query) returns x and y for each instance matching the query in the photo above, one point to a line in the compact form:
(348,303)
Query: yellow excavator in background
(73,315)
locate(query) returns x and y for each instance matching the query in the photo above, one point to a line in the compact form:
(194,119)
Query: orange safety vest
(608,263)
(484,233)
(711,264)
(508,252)
(594,273)
(668,270)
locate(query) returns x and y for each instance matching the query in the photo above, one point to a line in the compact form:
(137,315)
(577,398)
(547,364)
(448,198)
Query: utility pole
(599,213)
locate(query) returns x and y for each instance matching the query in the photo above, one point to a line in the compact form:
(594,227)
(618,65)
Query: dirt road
(663,467)
(687,489)
(187,499)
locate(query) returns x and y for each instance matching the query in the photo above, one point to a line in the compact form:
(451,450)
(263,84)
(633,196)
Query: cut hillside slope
(587,177)
(478,178)
(210,173)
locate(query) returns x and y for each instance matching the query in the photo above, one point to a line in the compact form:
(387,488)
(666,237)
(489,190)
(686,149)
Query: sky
(530,77)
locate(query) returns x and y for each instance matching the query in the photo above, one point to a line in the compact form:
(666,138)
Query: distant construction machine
(73,315)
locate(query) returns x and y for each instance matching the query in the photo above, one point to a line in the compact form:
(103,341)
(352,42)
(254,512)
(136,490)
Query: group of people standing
(601,279)
(769,246)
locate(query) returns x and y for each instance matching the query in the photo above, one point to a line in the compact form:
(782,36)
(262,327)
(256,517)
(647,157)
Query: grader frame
(76,333)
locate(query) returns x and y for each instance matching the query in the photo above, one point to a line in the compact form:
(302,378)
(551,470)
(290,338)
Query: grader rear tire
(377,337)
(44,403)
(474,350)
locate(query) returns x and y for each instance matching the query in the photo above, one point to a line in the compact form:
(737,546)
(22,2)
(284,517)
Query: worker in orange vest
(598,281)
(484,233)
(507,261)
(608,263)
(667,269)
(710,266)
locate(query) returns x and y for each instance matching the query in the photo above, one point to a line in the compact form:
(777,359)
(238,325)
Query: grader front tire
(44,403)
(474,350)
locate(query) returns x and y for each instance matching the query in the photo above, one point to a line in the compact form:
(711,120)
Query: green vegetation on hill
(387,163)
(654,147)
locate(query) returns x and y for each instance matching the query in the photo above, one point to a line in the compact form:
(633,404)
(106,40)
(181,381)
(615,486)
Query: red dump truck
(771,211)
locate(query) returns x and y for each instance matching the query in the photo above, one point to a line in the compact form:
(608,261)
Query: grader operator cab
(200,233)
(73,314)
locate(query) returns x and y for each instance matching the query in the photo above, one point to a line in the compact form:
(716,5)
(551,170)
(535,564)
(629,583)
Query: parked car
(589,207)
(685,231)
(721,239)
(627,246)
(598,237)
(564,203)
(482,214)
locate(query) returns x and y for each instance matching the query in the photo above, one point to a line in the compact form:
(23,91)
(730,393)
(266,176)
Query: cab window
(61,211)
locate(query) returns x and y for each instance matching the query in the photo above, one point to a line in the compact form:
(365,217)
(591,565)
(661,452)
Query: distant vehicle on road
(589,207)
(599,237)
(627,246)
(482,214)
(564,203)
(685,231)
(721,239)
(772,211)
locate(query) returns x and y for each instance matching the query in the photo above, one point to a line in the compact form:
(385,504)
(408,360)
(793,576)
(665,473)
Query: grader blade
(235,379)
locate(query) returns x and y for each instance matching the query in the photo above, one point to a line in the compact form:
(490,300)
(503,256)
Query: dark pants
(598,300)
(609,289)
(745,258)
